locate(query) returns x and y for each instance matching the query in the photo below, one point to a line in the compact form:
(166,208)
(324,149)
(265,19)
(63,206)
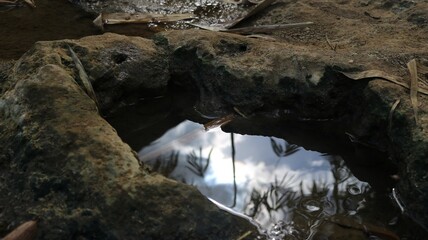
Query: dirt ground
(383,29)
(391,30)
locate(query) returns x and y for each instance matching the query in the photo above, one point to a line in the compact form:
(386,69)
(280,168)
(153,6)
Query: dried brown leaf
(381,75)
(218,122)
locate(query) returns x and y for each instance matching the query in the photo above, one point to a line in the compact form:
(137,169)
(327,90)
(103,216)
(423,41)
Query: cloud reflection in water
(276,181)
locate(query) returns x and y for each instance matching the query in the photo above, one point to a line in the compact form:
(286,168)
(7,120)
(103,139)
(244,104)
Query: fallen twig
(123,18)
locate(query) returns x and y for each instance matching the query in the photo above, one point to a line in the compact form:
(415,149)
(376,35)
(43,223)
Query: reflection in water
(207,12)
(283,187)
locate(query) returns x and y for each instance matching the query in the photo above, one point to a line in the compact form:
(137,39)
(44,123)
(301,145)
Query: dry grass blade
(414,87)
(239,112)
(381,75)
(333,47)
(87,86)
(266,28)
(391,112)
(259,7)
(218,122)
(245,235)
(25,231)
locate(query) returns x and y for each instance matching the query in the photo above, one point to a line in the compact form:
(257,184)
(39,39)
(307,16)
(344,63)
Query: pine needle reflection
(285,151)
(166,165)
(198,164)
(265,178)
(276,197)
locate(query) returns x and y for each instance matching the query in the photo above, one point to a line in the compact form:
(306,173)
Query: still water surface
(292,180)
(288,190)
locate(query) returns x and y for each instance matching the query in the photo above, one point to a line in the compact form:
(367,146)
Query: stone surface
(63,163)
(306,83)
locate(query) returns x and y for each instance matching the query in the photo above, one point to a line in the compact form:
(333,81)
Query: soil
(381,27)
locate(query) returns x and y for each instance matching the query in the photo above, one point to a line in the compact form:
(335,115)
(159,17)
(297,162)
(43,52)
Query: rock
(255,76)
(64,164)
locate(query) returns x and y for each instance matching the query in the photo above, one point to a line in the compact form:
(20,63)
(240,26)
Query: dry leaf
(83,76)
(414,86)
(218,122)
(381,75)
(25,231)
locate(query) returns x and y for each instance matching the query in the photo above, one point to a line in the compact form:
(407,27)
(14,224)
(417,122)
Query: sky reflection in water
(275,181)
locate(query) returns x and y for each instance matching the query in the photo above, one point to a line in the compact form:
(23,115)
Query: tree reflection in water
(287,190)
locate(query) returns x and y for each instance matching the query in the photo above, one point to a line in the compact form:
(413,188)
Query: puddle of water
(288,191)
(22,26)
(273,182)
(208,12)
